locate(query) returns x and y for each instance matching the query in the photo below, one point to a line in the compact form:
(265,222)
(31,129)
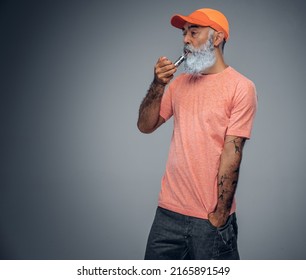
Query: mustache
(188,49)
(192,50)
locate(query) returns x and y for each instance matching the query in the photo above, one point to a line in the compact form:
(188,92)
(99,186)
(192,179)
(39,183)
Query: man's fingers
(163,61)
(165,66)
(164,70)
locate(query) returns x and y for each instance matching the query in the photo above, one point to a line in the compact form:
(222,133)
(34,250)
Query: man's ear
(219,37)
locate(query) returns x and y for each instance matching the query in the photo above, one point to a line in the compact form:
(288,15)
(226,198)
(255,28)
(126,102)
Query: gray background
(78,181)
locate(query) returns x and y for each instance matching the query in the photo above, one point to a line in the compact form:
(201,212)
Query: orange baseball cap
(204,17)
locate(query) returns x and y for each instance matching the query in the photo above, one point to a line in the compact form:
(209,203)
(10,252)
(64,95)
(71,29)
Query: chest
(200,100)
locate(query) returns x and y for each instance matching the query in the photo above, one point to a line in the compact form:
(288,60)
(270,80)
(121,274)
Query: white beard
(198,60)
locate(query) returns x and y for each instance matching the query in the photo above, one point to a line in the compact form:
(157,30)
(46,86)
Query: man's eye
(193,33)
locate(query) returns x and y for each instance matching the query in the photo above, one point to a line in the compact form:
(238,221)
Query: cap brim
(179,21)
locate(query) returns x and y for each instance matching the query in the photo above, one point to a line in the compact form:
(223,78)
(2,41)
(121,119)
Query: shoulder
(239,86)
(240,80)
(243,90)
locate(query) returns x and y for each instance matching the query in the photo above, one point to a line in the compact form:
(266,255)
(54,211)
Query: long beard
(198,60)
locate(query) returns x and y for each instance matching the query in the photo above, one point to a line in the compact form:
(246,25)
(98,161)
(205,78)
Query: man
(213,108)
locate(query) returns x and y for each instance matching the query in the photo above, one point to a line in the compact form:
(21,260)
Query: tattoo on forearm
(155,93)
(238,144)
(225,198)
(228,178)
(221,197)
(226,193)
(224,190)
(222,180)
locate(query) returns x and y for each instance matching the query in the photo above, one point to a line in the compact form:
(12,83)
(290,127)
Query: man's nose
(186,39)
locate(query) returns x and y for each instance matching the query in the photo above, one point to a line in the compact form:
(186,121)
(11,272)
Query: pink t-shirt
(205,110)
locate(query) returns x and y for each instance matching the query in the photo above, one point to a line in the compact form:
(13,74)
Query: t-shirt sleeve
(243,110)
(166,110)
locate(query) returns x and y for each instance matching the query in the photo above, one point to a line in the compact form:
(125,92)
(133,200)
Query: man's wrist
(222,213)
(159,83)
(218,217)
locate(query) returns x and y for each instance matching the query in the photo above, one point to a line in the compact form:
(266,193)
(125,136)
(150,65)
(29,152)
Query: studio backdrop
(77,178)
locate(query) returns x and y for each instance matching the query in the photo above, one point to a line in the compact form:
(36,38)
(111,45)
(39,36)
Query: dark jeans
(175,236)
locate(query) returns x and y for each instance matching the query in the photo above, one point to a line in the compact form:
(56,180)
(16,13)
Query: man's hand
(217,220)
(163,71)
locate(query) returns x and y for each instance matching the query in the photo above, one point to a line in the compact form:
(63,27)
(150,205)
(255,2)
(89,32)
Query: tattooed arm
(149,118)
(227,179)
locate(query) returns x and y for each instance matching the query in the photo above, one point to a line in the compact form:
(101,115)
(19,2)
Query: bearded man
(213,107)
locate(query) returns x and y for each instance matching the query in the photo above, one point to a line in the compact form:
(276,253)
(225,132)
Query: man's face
(195,35)
(199,42)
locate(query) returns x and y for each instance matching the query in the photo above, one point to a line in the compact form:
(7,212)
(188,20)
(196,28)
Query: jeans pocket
(226,233)
(225,241)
